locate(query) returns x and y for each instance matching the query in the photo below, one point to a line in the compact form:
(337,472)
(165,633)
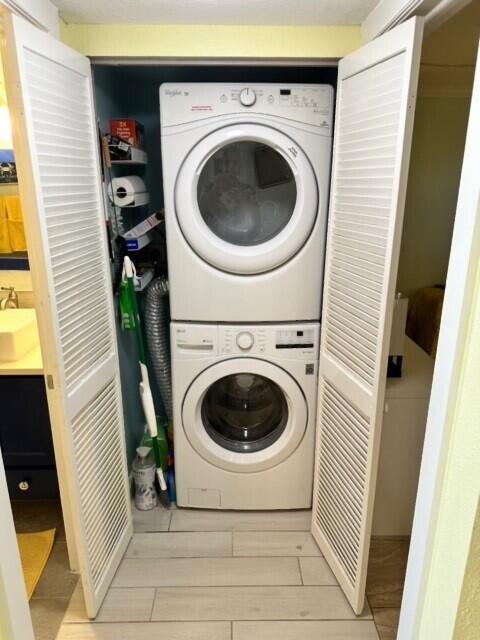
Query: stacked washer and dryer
(245,173)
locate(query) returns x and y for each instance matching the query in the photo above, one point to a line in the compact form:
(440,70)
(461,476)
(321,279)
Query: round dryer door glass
(244,412)
(246,198)
(246,193)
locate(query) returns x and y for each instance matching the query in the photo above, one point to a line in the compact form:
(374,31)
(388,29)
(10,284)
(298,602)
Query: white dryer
(244,402)
(246,173)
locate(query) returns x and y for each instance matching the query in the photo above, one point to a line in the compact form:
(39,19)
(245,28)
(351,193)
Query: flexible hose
(157,332)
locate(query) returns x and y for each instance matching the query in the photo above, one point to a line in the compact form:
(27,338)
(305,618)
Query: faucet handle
(12,292)
(11,300)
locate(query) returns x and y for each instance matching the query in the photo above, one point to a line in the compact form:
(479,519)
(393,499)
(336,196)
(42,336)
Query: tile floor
(202,575)
(56,585)
(385,578)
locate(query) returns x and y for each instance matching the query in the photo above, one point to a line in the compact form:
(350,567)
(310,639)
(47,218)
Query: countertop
(29,365)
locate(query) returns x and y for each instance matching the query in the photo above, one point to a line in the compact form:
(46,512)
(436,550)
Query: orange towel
(16,230)
(5,246)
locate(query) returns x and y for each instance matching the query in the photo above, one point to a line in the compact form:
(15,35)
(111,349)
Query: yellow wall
(5,127)
(459,499)
(211,40)
(433,181)
(3,95)
(468,618)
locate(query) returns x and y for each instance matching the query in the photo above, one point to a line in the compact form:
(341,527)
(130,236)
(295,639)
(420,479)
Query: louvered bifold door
(50,97)
(374,118)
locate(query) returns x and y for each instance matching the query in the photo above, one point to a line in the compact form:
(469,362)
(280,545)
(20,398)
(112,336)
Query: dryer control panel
(311,104)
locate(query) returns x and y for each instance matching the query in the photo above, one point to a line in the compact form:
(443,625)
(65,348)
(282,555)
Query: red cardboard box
(129,130)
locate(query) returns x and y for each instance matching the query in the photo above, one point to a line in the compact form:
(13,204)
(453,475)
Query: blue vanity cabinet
(26,439)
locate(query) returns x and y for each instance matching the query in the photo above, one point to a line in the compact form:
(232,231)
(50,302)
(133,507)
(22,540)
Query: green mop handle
(145,390)
(129,271)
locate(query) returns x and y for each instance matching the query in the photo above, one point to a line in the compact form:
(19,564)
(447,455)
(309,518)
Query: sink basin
(18,333)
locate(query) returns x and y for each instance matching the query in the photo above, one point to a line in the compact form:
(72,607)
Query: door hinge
(50,384)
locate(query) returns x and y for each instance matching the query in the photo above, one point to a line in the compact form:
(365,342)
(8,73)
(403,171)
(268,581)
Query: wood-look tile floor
(210,575)
(385,578)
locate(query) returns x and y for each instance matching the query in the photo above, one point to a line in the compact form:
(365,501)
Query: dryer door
(246,199)
(244,415)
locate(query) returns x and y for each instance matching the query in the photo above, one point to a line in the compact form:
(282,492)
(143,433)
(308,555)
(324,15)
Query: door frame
(445,382)
(40,13)
(457,308)
(387,14)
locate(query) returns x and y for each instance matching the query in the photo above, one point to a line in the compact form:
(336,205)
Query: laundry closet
(370,160)
(253,383)
(135,92)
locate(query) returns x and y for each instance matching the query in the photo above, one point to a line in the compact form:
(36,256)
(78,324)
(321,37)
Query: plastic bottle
(144,478)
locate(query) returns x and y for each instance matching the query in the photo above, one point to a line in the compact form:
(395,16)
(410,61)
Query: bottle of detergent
(144,479)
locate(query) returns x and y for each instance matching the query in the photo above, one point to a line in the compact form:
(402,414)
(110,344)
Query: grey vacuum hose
(157,332)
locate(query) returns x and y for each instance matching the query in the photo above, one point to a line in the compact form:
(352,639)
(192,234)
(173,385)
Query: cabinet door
(25,433)
(49,92)
(374,120)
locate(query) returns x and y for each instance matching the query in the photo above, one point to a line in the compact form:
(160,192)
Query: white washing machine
(246,173)
(244,402)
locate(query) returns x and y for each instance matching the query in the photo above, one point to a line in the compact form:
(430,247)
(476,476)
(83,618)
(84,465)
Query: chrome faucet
(11,301)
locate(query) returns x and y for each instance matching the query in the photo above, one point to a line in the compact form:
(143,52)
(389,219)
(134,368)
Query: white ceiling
(273,12)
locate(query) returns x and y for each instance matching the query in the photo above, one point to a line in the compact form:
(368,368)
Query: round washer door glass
(246,193)
(244,412)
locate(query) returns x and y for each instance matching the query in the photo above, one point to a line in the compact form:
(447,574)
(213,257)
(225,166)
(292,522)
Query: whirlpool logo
(173,92)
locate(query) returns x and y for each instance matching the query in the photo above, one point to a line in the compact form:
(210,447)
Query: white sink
(18,333)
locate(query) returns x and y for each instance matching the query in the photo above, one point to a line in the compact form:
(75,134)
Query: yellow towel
(34,550)
(16,230)
(5,246)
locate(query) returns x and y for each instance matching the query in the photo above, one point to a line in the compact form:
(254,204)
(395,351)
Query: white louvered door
(50,97)
(374,120)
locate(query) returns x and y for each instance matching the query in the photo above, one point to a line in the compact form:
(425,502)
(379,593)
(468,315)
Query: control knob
(245,340)
(247,97)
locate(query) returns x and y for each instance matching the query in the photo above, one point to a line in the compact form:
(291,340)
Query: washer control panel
(295,338)
(292,341)
(239,340)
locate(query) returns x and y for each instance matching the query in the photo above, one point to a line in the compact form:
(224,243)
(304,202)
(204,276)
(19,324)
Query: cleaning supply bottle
(144,478)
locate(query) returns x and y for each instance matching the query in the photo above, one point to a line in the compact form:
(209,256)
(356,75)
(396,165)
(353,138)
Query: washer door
(246,199)
(244,415)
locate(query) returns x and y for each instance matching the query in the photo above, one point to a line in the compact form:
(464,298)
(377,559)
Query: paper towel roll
(128,191)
